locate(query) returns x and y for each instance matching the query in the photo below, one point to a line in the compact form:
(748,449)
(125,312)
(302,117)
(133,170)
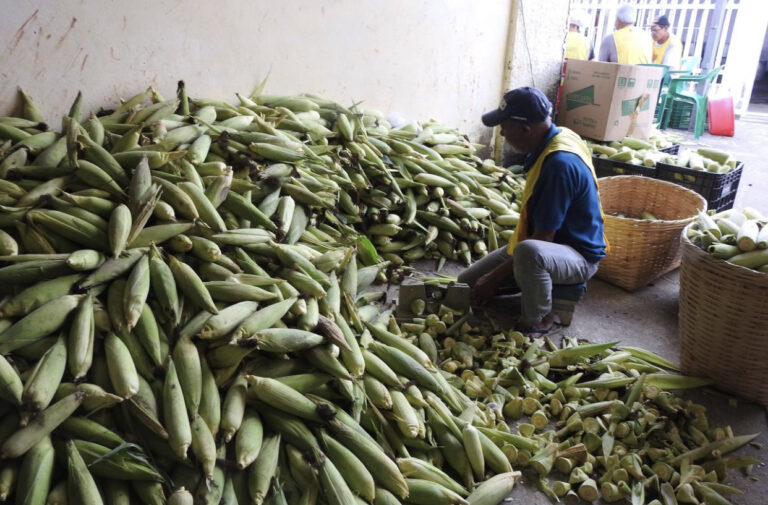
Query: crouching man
(559,239)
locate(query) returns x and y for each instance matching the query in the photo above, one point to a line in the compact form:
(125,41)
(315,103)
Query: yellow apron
(566,141)
(576,46)
(659,51)
(632,45)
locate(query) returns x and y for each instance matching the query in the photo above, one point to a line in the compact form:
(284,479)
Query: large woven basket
(722,325)
(641,249)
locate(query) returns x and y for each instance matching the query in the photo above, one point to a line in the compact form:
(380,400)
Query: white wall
(418,59)
(538,44)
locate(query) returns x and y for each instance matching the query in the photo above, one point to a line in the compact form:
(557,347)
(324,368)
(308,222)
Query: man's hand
(485,287)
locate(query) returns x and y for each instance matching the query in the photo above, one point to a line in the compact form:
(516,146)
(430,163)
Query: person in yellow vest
(576,46)
(667,48)
(628,44)
(559,238)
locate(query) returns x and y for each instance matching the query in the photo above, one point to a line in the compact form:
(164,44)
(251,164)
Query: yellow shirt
(567,141)
(660,52)
(633,46)
(576,46)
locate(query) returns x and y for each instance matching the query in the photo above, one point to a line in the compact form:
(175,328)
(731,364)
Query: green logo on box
(628,106)
(580,98)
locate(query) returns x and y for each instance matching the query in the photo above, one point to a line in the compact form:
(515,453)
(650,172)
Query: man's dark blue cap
(526,104)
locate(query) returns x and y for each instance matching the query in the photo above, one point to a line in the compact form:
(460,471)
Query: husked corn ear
(34,479)
(383,469)
(494,490)
(203,446)
(474,450)
(81,487)
(233,409)
(425,492)
(40,426)
(226,320)
(249,438)
(96,397)
(377,392)
(122,371)
(407,366)
(353,471)
(285,398)
(405,416)
(11,387)
(278,340)
(420,469)
(175,413)
(45,378)
(39,323)
(277,153)
(191,285)
(263,469)
(334,486)
(136,292)
(189,373)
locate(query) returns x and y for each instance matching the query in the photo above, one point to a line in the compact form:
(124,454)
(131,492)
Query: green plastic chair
(688,65)
(662,89)
(678,92)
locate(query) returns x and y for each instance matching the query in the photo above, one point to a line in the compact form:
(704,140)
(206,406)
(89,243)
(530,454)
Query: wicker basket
(722,325)
(643,250)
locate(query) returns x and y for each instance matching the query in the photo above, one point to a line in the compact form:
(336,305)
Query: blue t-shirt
(565,201)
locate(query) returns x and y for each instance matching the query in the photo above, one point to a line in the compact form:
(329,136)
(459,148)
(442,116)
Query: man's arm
(607,49)
(548,213)
(673,54)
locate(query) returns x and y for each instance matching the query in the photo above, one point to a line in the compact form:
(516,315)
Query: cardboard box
(609,101)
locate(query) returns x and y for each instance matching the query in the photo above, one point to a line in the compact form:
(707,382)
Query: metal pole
(714,32)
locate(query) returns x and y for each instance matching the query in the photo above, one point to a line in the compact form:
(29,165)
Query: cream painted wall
(538,44)
(417,59)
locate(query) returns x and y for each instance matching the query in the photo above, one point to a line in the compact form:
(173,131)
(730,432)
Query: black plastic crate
(673,149)
(680,115)
(713,187)
(723,203)
(605,167)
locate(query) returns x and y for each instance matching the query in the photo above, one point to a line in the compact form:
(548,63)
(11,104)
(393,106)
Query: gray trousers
(537,266)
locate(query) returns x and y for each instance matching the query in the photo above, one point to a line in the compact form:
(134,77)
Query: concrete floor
(749,146)
(648,317)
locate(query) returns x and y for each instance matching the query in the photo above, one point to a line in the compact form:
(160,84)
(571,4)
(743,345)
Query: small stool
(564,300)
